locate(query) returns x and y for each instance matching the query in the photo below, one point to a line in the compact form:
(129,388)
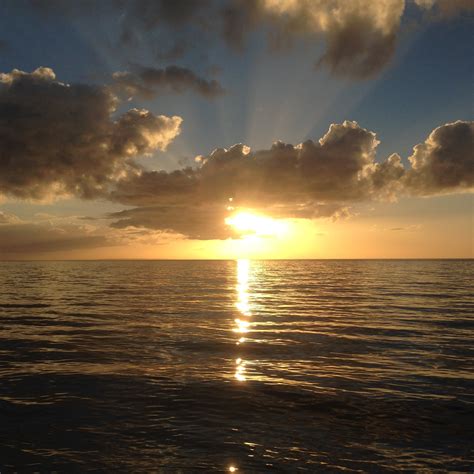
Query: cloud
(408,228)
(360,36)
(446,8)
(18,239)
(7,218)
(59,139)
(175,51)
(310,180)
(314,179)
(62,139)
(444,162)
(146,82)
(151,13)
(203,222)
(43,234)
(338,167)
(207,221)
(179,187)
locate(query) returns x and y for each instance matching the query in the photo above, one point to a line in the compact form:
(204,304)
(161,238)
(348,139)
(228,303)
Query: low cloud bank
(19,239)
(314,179)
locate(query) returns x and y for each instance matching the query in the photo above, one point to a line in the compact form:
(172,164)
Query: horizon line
(232,259)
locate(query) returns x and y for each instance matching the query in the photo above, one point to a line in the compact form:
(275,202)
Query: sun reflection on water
(242,323)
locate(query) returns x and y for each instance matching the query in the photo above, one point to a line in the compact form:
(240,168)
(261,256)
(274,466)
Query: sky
(236,129)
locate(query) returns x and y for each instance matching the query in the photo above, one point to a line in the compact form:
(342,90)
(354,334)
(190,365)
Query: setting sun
(247,223)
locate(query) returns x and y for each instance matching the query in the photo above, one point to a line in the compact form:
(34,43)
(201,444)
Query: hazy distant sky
(135,129)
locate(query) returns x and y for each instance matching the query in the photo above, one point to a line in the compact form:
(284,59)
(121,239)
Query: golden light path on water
(242,323)
(253,228)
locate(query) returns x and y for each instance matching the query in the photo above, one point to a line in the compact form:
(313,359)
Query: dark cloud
(357,49)
(238,19)
(338,167)
(20,239)
(442,9)
(450,8)
(146,82)
(59,139)
(208,221)
(360,35)
(444,163)
(172,53)
(409,228)
(151,13)
(194,222)
(178,187)
(315,179)
(310,180)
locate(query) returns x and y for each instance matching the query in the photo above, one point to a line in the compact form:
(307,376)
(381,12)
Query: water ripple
(312,366)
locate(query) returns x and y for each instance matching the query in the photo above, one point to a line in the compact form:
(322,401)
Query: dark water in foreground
(202,366)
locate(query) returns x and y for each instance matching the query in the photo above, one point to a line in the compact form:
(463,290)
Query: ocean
(236,366)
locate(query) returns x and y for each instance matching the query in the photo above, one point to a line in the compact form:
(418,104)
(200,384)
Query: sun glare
(247,223)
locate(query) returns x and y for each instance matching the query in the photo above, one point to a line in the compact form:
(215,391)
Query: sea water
(240,366)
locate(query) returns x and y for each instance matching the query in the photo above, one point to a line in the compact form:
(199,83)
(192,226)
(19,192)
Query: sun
(250,224)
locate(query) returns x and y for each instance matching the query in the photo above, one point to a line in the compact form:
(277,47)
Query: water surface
(291,366)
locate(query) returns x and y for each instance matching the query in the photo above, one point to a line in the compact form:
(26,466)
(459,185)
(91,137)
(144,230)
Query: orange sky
(383,231)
